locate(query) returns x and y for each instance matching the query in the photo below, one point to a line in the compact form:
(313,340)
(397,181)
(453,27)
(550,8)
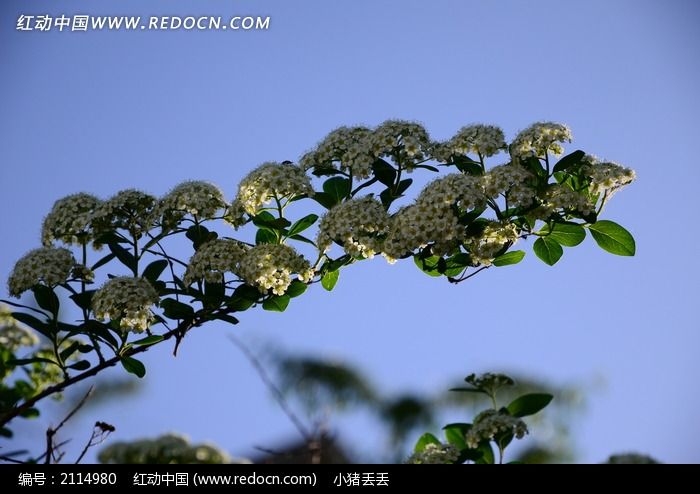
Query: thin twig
(276,393)
(51,432)
(99,434)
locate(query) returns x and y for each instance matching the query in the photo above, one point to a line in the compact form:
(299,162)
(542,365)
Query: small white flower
(69,220)
(490,424)
(130,209)
(271,266)
(128,300)
(435,454)
(484,140)
(213,260)
(354,224)
(539,139)
(199,199)
(484,248)
(345,148)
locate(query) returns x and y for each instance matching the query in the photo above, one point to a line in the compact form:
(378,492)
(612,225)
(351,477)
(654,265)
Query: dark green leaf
(5,432)
(133,366)
(198,234)
(384,172)
(46,298)
(329,280)
(32,322)
(403,185)
(72,348)
(85,348)
(25,361)
(84,299)
(337,187)
(336,264)
(296,288)
(487,457)
(277,303)
(30,413)
(302,224)
(567,234)
(148,340)
(302,238)
(468,390)
(174,309)
(613,238)
(428,265)
(100,330)
(102,261)
(124,256)
(227,318)
(155,269)
(512,257)
(548,250)
(265,236)
(568,161)
(80,365)
(529,404)
(454,433)
(214,294)
(324,199)
(467,165)
(424,440)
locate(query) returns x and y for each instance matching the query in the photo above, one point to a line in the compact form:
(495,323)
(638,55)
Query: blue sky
(103,111)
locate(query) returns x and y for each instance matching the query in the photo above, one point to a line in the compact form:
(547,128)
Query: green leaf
(278,303)
(424,440)
(512,257)
(227,318)
(324,199)
(468,390)
(302,238)
(25,361)
(5,432)
(102,261)
(133,366)
(384,172)
(154,270)
(30,413)
(72,348)
(124,256)
(199,235)
(613,238)
(265,236)
(403,186)
(32,322)
(329,280)
(454,433)
(174,309)
(302,224)
(548,250)
(487,457)
(429,265)
(467,165)
(149,340)
(338,188)
(567,234)
(529,404)
(296,288)
(568,161)
(84,299)
(46,298)
(80,365)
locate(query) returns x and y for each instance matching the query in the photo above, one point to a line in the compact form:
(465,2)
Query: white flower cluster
(484,248)
(511,180)
(489,381)
(69,220)
(46,265)
(13,335)
(200,199)
(354,224)
(128,300)
(345,148)
(539,139)
(435,454)
(167,449)
(213,259)
(492,423)
(563,197)
(270,267)
(607,178)
(405,141)
(484,140)
(631,459)
(129,209)
(268,181)
(83,273)
(432,218)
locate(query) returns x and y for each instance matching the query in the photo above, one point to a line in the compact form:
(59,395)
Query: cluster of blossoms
(69,220)
(435,454)
(559,196)
(484,248)
(492,423)
(432,218)
(607,178)
(83,273)
(631,459)
(354,224)
(539,139)
(167,449)
(406,142)
(200,199)
(268,181)
(130,209)
(510,180)
(482,140)
(346,148)
(12,335)
(213,259)
(489,382)
(45,265)
(128,300)
(270,267)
